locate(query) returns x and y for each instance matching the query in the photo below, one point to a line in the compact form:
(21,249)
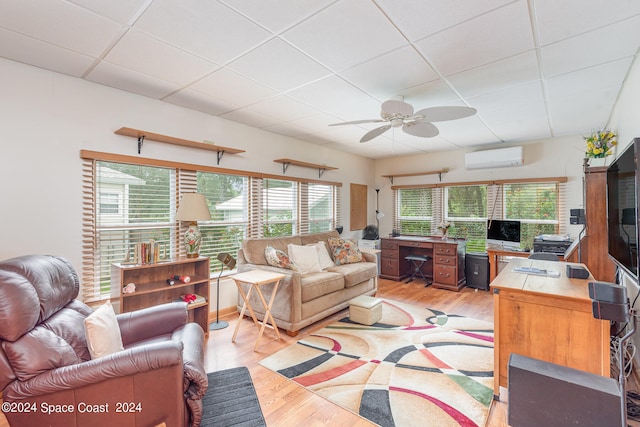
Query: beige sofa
(303,299)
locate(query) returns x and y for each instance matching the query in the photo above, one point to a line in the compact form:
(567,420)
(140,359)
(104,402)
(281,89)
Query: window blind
(466,212)
(280,198)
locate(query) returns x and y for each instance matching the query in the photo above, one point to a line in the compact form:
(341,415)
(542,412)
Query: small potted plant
(600,145)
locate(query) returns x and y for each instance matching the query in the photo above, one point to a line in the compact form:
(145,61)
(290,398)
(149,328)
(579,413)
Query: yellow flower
(599,143)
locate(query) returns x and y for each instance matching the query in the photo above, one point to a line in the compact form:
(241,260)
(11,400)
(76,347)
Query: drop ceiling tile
(334,38)
(121,11)
(581,83)
(206,28)
(337,97)
(60,23)
(512,71)
(250,118)
(147,55)
(278,65)
(200,102)
(277,15)
(231,87)
(431,94)
(41,54)
(386,76)
(529,97)
(131,81)
(596,47)
(463,132)
(480,41)
(283,107)
(558,20)
(421,18)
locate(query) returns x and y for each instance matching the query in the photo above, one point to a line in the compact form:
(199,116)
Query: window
(127,201)
(414,211)
(280,207)
(466,211)
(538,204)
(227,197)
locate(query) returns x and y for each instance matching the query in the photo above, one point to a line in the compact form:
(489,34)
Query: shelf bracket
(321,172)
(220,154)
(440,176)
(140,142)
(391,179)
(285,166)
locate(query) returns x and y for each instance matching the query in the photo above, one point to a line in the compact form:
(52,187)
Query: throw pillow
(305,257)
(344,251)
(102,332)
(323,255)
(277,258)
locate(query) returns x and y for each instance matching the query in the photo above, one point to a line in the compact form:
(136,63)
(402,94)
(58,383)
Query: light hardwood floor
(284,403)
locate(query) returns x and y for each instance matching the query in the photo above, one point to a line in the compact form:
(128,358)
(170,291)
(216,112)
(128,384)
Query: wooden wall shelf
(438,172)
(141,135)
(287,162)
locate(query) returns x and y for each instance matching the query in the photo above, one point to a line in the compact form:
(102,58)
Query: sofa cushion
(356,273)
(323,255)
(305,258)
(277,258)
(316,285)
(344,251)
(253,249)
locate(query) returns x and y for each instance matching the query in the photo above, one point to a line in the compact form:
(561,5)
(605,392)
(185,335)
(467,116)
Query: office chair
(544,256)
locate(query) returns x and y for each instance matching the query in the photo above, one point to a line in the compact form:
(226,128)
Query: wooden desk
(494,253)
(546,318)
(446,267)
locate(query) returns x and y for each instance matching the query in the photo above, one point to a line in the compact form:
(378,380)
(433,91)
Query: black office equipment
(477,270)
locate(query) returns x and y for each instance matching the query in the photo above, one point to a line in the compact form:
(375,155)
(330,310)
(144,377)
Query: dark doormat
(231,400)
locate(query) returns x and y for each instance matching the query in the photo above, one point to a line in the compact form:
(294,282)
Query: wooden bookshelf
(152,287)
(287,162)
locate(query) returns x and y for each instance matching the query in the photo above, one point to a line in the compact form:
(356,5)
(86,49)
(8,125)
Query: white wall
(47,118)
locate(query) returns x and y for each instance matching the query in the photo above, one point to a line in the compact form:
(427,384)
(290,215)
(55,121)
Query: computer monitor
(503,233)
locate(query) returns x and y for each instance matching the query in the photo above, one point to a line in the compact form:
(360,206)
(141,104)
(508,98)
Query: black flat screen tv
(503,233)
(622,208)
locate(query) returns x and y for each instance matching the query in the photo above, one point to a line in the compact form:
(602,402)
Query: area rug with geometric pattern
(415,367)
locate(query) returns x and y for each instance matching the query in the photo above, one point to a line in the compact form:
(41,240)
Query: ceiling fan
(396,113)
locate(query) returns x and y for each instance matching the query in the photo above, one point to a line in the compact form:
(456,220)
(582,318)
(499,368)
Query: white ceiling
(533,69)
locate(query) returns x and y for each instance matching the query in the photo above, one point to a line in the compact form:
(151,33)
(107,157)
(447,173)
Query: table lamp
(193,207)
(229,262)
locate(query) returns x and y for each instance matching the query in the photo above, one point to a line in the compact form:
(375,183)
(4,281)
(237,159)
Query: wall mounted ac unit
(500,158)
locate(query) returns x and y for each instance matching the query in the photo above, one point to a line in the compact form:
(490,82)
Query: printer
(552,243)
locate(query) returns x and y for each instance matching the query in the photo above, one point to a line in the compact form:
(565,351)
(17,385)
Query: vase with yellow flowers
(600,144)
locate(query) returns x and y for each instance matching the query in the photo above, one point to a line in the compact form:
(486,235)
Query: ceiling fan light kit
(398,113)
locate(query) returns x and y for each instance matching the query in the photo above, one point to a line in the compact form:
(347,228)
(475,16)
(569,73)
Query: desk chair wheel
(418,261)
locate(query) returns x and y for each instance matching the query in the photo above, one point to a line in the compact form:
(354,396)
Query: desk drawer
(446,274)
(445,260)
(444,249)
(387,244)
(389,267)
(408,244)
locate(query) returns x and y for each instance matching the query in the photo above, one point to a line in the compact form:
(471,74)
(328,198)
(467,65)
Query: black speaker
(577,272)
(550,395)
(607,292)
(477,270)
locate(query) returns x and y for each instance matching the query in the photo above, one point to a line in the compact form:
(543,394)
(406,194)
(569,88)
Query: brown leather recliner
(47,376)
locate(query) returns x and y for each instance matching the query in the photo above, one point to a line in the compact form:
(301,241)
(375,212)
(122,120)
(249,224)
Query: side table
(257,278)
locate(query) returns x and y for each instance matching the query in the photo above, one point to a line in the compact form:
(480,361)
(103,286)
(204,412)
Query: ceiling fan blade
(373,133)
(421,129)
(357,122)
(441,114)
(394,107)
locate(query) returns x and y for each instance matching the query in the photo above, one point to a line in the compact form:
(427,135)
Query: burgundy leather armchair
(47,376)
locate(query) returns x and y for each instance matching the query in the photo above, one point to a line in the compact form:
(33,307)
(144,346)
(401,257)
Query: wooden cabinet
(446,265)
(152,287)
(594,244)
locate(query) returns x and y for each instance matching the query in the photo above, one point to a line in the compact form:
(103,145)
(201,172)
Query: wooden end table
(257,278)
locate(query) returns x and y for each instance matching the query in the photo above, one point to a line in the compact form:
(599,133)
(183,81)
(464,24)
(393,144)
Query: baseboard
(223,312)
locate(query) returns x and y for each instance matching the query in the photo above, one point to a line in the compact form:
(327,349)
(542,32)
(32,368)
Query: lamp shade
(193,207)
